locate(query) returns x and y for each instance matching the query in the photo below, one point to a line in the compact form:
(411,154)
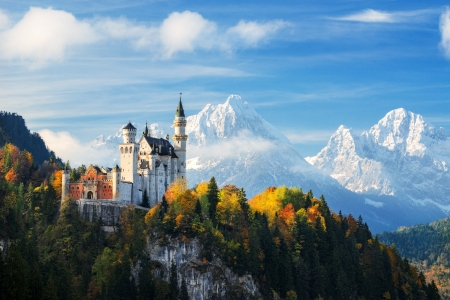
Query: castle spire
(180,110)
(146,133)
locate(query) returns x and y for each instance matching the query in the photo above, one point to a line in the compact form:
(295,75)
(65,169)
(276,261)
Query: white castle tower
(129,151)
(65,184)
(179,139)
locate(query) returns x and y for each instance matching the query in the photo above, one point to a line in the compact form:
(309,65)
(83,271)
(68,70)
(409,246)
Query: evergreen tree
(184,295)
(145,200)
(213,197)
(173,281)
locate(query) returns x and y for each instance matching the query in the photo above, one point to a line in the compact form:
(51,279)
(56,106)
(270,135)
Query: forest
(428,248)
(289,241)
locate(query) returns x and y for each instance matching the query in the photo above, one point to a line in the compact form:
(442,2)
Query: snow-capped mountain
(232,142)
(401,156)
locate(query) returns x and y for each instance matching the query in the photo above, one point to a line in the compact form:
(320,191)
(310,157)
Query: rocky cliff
(204,280)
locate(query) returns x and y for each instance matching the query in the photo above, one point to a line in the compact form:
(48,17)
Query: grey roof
(129,126)
(165,149)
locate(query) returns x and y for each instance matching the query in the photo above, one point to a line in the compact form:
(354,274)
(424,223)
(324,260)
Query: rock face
(211,280)
(108,211)
(400,156)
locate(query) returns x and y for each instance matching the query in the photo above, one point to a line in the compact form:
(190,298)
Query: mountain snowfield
(400,156)
(386,174)
(233,143)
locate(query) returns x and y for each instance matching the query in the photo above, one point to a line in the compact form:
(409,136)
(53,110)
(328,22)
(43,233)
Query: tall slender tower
(180,139)
(129,150)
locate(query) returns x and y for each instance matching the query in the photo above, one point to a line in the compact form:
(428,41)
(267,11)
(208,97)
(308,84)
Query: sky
(78,69)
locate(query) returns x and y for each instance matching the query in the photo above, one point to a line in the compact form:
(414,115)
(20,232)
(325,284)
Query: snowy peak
(227,120)
(401,155)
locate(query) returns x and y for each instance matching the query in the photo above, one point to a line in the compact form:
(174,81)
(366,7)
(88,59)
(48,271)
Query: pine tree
(145,201)
(173,280)
(213,197)
(184,295)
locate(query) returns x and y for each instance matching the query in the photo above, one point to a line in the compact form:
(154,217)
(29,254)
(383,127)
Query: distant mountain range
(357,174)
(400,156)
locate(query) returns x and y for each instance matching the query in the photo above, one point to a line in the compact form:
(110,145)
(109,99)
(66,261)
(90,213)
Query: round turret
(129,133)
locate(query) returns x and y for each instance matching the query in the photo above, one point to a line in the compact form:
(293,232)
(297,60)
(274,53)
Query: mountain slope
(14,130)
(427,247)
(232,142)
(400,156)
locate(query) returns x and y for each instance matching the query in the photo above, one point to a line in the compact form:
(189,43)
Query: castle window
(78,187)
(126,149)
(104,186)
(121,149)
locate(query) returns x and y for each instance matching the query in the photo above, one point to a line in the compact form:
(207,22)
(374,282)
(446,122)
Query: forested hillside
(428,248)
(14,130)
(291,244)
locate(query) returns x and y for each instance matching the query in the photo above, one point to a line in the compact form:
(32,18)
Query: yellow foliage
(228,208)
(57,183)
(267,203)
(151,214)
(202,189)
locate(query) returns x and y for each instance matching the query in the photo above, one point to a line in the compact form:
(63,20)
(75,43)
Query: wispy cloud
(4,20)
(377,16)
(444,26)
(251,33)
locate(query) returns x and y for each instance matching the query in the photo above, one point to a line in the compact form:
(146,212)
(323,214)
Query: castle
(150,164)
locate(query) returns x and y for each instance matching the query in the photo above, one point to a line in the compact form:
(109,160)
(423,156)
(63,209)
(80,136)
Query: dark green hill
(427,247)
(13,130)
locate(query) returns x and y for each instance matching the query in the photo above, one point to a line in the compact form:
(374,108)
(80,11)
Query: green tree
(213,197)
(173,281)
(184,295)
(145,200)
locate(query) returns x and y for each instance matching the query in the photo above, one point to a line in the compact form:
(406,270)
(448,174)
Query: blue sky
(87,67)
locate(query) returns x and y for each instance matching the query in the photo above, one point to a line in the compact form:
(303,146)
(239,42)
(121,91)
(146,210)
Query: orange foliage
(177,187)
(312,214)
(11,176)
(287,214)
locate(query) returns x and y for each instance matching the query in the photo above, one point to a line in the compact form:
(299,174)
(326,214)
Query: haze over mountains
(395,174)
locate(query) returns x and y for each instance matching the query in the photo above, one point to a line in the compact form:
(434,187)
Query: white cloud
(376,16)
(68,148)
(244,142)
(305,137)
(186,31)
(4,21)
(251,33)
(122,28)
(370,15)
(444,26)
(44,35)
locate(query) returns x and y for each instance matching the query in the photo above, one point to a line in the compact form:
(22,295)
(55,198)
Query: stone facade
(149,163)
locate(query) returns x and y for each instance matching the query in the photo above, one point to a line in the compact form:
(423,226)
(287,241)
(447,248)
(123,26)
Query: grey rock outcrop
(204,280)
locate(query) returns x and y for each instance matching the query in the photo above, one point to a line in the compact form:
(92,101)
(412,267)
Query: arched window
(104,186)
(126,149)
(121,149)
